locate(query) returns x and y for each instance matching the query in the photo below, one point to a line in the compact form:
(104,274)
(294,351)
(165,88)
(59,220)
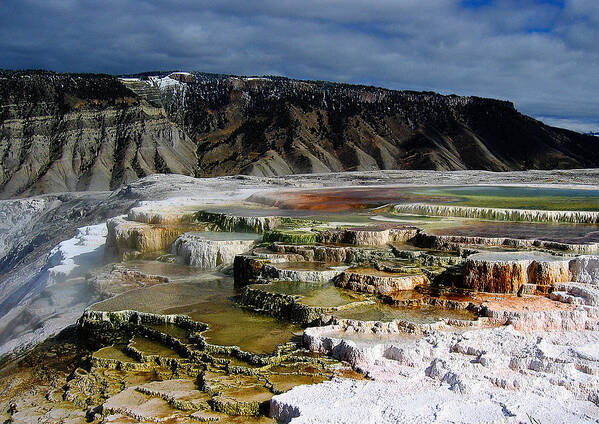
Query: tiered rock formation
(333,254)
(508,272)
(197,251)
(289,307)
(227,222)
(298,271)
(130,238)
(379,283)
(499,371)
(500,214)
(368,236)
(457,242)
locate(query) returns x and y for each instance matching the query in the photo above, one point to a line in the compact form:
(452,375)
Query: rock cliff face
(507,272)
(66,132)
(82,132)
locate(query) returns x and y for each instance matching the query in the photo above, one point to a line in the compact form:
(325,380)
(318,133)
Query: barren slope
(67,132)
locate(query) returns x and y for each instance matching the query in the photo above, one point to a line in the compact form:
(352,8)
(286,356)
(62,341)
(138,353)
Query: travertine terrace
(211,304)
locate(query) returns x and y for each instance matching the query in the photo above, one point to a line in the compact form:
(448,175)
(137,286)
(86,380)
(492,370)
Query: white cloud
(571,124)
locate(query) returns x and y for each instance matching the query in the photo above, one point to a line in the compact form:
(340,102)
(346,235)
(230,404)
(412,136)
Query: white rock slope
(84,250)
(58,294)
(490,375)
(197,250)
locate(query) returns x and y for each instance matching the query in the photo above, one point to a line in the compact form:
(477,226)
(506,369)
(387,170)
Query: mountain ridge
(71,132)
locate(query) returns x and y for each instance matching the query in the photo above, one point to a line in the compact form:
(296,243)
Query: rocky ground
(528,357)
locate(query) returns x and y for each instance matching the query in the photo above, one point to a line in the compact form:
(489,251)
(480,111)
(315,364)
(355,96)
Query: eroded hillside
(67,132)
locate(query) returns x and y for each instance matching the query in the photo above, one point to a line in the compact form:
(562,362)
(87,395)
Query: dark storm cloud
(541,54)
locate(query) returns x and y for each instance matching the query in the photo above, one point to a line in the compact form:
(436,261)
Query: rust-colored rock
(507,272)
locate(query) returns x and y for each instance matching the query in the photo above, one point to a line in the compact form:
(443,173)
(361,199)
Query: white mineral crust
(500,214)
(198,251)
(484,375)
(58,294)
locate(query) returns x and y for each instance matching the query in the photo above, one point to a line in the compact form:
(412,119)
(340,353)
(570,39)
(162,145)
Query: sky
(543,55)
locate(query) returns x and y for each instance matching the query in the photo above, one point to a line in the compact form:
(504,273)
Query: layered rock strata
(211,382)
(298,263)
(274,257)
(378,283)
(235,223)
(368,236)
(355,236)
(508,272)
(455,242)
(550,376)
(576,293)
(441,301)
(249,268)
(94,132)
(500,214)
(195,250)
(441,259)
(154,402)
(296,273)
(161,216)
(285,306)
(109,327)
(290,236)
(333,254)
(90,148)
(537,313)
